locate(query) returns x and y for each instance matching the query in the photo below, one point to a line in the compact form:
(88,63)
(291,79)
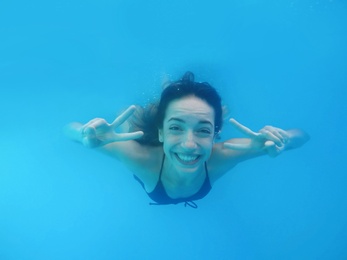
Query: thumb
(271,149)
(89,137)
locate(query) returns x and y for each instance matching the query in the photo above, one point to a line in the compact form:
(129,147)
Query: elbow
(73,131)
(298,138)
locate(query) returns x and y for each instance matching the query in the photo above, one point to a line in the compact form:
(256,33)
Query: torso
(172,188)
(148,170)
(173,194)
(185,188)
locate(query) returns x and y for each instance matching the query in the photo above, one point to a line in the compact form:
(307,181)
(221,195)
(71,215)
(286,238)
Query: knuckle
(100,120)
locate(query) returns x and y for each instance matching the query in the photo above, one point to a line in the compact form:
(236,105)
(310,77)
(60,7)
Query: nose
(189,141)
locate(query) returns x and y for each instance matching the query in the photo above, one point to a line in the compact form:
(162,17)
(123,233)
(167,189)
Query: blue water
(282,63)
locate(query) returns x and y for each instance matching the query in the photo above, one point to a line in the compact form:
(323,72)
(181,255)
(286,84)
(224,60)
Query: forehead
(190,107)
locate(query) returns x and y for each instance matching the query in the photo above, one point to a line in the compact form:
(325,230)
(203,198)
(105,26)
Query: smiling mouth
(187,159)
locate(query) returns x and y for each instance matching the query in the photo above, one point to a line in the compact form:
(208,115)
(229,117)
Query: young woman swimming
(172,147)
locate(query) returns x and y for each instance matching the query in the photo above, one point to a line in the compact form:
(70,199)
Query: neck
(181,178)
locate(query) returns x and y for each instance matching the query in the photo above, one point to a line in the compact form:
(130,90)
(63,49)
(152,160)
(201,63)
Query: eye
(175,128)
(205,131)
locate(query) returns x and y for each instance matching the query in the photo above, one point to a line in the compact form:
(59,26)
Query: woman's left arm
(269,140)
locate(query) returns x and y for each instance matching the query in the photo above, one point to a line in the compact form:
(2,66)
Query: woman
(170,146)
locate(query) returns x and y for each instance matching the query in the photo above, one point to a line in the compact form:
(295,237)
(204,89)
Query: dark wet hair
(149,119)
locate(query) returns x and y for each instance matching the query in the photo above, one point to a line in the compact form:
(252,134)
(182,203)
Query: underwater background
(275,62)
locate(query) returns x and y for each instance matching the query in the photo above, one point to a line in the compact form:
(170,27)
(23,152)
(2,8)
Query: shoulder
(147,166)
(142,160)
(221,161)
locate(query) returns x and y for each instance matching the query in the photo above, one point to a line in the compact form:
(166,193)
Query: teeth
(187,158)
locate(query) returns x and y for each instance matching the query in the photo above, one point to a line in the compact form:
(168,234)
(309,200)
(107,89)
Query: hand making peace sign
(98,132)
(272,139)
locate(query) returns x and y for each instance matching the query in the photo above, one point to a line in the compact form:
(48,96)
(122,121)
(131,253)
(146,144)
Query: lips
(187,159)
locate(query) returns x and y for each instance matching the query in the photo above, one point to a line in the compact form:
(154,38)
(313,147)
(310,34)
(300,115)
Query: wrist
(73,131)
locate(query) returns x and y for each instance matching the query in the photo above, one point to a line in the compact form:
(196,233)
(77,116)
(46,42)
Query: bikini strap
(161,168)
(206,171)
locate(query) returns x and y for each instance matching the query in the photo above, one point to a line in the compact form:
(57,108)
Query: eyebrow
(182,121)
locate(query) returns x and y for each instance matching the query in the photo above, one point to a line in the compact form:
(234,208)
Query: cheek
(209,149)
(208,145)
(169,141)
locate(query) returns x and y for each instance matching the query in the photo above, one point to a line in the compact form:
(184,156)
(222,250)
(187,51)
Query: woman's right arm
(98,132)
(102,136)
(142,160)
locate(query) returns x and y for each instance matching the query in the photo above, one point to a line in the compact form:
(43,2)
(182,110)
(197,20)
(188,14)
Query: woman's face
(188,133)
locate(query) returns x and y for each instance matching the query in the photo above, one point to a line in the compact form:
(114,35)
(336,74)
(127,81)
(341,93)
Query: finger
(89,131)
(123,117)
(284,134)
(279,133)
(271,137)
(91,143)
(129,136)
(93,121)
(97,122)
(89,137)
(269,144)
(272,149)
(243,128)
(239,147)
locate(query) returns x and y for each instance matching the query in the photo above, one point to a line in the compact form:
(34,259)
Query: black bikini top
(160,196)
